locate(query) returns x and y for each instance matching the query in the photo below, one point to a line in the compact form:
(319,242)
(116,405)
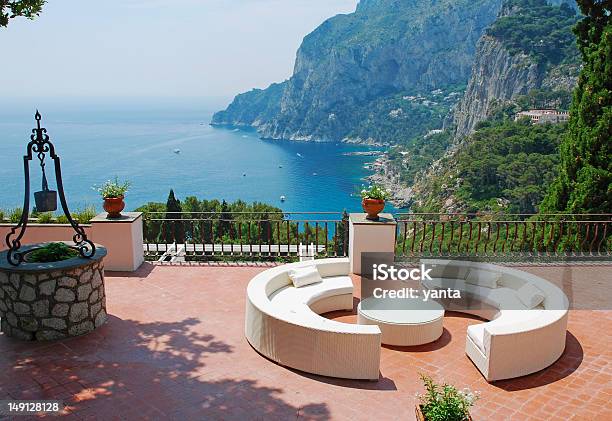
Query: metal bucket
(46,200)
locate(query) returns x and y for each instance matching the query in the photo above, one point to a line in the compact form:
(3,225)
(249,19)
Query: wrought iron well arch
(41,145)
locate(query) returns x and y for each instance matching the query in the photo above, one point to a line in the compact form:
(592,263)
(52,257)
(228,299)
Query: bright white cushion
(483,278)
(504,299)
(305,276)
(530,295)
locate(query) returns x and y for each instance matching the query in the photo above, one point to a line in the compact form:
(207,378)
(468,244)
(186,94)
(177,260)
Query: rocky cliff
(362,67)
(513,62)
(526,59)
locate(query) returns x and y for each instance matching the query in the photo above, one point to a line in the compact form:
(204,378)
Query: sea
(163,144)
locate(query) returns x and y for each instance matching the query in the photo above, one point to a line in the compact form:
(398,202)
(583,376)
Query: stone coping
(126,217)
(383,219)
(26,267)
(33,223)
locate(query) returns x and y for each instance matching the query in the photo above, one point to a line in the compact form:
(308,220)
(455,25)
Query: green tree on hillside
(174,230)
(225,219)
(584,184)
(537,29)
(12,9)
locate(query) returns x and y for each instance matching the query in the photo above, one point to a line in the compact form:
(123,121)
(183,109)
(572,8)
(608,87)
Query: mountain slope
(526,59)
(361,67)
(529,47)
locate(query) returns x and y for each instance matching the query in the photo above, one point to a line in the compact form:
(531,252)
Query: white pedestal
(367,236)
(122,238)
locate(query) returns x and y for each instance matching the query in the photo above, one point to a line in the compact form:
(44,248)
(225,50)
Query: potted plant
(444,402)
(113,193)
(373,201)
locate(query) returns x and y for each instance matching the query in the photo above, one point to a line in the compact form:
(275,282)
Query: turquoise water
(98,140)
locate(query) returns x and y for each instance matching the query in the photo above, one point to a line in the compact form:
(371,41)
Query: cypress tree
(225,219)
(584,184)
(175,231)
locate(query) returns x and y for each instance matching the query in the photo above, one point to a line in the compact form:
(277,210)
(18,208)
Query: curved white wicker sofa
(283,323)
(516,341)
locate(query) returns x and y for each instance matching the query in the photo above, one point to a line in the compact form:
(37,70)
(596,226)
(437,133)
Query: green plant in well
(53,252)
(444,402)
(374,192)
(113,189)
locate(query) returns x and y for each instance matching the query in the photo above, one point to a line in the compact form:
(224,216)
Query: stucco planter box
(48,301)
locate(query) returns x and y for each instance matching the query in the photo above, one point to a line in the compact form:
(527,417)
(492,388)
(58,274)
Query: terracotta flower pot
(373,207)
(114,206)
(421,417)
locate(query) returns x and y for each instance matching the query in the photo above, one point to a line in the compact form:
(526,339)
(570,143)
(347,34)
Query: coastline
(383,173)
(386,176)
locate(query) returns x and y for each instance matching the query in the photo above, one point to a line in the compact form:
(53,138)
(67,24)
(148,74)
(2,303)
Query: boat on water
(280,166)
(177,151)
(299,154)
(314,173)
(244,174)
(283,198)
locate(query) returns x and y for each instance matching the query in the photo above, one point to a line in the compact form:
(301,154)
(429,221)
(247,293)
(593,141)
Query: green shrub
(2,215)
(445,402)
(14,215)
(62,219)
(85,215)
(45,218)
(53,252)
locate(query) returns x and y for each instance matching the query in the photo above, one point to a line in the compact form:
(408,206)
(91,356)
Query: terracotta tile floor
(174,349)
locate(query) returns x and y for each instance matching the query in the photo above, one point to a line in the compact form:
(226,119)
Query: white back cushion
(304,276)
(530,295)
(483,278)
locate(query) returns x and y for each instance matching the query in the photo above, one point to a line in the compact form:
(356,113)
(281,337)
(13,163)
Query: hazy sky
(157,48)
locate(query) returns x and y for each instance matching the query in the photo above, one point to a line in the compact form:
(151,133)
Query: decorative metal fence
(249,236)
(504,236)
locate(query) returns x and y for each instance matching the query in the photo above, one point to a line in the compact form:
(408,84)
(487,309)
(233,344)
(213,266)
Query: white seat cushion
(501,298)
(506,318)
(293,303)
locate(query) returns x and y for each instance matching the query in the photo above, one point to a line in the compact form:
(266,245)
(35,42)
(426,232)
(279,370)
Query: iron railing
(494,235)
(250,236)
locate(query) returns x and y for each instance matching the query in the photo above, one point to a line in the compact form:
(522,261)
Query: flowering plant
(445,402)
(113,188)
(374,192)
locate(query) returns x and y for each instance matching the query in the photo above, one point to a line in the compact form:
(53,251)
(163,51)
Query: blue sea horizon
(162,144)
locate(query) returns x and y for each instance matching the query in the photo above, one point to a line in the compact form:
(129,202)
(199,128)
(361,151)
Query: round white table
(403,322)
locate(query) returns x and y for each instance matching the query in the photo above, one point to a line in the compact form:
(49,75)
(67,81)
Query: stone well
(47,301)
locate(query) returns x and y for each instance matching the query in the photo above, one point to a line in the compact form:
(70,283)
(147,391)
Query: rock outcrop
(500,75)
(351,62)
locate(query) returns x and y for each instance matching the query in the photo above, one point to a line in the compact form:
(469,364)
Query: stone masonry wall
(52,305)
